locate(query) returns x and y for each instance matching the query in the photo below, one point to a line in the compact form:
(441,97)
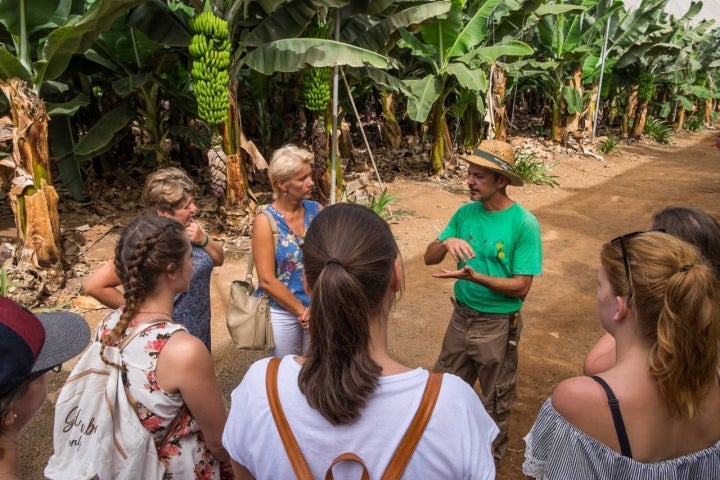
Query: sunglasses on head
(622,239)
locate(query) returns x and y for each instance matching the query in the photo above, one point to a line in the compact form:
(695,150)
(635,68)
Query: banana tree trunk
(389,126)
(640,118)
(33,197)
(238,158)
(680,118)
(499,83)
(572,121)
(441,146)
(556,129)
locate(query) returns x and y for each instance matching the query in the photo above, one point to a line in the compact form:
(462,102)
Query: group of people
(648,407)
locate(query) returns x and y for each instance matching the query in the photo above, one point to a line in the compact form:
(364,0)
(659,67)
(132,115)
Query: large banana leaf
(375,37)
(294,54)
(288,20)
(425,92)
(76,37)
(100,138)
(10,67)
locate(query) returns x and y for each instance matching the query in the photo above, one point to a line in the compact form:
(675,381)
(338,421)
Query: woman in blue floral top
(169,192)
(280,267)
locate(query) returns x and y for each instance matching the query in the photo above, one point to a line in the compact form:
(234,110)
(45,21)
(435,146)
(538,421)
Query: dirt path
(596,201)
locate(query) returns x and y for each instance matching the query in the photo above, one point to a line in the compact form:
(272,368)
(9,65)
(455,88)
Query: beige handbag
(248,317)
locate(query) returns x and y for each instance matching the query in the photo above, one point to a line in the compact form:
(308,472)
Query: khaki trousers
(483,347)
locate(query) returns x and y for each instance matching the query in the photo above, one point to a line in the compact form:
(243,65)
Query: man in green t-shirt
(496,245)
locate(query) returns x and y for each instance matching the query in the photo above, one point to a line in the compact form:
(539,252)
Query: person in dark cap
(30,346)
(495,244)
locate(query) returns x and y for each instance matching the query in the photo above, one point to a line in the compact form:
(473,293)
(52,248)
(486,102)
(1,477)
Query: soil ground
(595,201)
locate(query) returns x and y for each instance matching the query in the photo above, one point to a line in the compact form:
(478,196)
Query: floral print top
(185,453)
(288,254)
(192,307)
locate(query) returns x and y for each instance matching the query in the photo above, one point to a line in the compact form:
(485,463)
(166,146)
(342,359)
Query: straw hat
(496,156)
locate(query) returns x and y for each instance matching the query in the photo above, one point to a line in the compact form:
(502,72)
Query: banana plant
(450,55)
(272,44)
(41,38)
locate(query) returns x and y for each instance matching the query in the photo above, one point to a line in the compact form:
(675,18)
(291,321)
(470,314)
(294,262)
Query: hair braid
(148,247)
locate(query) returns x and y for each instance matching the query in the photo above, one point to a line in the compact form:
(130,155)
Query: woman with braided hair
(348,394)
(655,413)
(166,368)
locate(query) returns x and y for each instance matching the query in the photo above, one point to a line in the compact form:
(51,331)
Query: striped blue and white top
(555,450)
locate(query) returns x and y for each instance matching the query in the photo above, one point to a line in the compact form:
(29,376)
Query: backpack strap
(297,460)
(410,440)
(403,452)
(351,457)
(183,410)
(275,233)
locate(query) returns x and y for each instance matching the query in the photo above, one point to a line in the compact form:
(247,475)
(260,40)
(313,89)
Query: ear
(163,213)
(10,417)
(621,308)
(501,180)
(171,270)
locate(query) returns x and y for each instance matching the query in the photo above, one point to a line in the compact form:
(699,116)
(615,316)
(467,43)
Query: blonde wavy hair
(286,162)
(677,306)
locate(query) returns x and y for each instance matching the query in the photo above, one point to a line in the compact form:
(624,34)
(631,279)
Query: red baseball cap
(32,344)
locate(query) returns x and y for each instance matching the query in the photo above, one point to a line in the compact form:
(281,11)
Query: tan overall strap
(351,457)
(299,465)
(400,458)
(412,436)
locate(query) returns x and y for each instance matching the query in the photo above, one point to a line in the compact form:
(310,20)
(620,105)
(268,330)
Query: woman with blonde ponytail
(656,412)
(166,368)
(348,394)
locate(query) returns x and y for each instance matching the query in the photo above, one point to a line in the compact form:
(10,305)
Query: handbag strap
(403,452)
(273,229)
(297,460)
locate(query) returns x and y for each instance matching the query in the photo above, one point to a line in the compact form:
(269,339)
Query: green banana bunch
(646,86)
(210,48)
(316,81)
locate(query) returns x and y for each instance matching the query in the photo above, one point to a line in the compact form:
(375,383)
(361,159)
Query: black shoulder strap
(617,418)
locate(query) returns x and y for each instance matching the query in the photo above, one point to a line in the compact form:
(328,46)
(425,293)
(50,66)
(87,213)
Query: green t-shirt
(505,243)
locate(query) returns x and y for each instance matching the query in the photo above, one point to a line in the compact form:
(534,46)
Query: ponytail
(349,256)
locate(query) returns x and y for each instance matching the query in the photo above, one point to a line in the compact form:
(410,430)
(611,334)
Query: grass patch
(658,130)
(609,144)
(532,170)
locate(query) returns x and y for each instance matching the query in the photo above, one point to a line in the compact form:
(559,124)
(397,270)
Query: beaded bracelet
(207,240)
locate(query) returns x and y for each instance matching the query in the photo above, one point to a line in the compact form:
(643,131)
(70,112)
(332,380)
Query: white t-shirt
(455,445)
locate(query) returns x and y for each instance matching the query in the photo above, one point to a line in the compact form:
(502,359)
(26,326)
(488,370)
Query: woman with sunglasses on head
(656,412)
(693,225)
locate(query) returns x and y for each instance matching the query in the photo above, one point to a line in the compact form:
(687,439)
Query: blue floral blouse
(288,254)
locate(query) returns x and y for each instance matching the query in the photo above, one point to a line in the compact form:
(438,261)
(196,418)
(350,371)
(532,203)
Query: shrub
(382,203)
(532,170)
(609,145)
(694,123)
(657,130)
